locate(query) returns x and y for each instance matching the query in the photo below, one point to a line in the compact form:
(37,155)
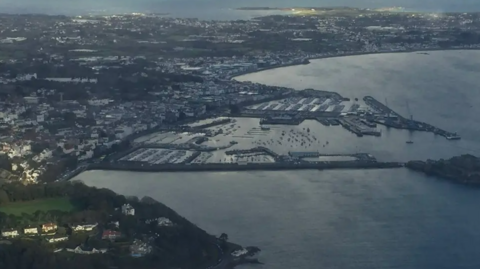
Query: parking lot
(311,104)
(158,156)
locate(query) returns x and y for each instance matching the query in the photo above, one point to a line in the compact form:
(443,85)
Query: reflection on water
(358,219)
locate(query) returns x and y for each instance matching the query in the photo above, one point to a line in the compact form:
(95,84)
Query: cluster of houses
(51,228)
(48,229)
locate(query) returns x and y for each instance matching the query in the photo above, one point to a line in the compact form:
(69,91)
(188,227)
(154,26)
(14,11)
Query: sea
(348,219)
(218,9)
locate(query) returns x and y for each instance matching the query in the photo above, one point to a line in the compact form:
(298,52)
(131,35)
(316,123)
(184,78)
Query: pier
(392,119)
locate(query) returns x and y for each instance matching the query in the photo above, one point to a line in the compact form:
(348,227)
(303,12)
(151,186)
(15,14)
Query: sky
(184,8)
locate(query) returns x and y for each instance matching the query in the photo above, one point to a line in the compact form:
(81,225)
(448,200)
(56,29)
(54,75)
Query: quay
(262,150)
(281,121)
(394,120)
(212,167)
(357,127)
(208,125)
(303,115)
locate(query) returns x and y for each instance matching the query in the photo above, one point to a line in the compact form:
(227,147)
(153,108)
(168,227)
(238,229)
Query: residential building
(127,209)
(57,239)
(111,235)
(83,227)
(10,233)
(79,250)
(49,227)
(139,249)
(30,230)
(162,221)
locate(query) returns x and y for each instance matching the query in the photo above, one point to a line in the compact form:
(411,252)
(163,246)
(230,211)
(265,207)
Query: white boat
(454,137)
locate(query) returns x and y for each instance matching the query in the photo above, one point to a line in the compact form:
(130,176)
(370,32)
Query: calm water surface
(330,219)
(442,88)
(348,219)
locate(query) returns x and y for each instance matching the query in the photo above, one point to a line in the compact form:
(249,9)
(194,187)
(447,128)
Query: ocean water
(375,219)
(348,219)
(218,9)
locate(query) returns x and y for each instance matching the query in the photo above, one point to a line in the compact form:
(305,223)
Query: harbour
(343,218)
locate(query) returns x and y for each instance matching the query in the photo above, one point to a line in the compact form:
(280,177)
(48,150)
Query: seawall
(212,167)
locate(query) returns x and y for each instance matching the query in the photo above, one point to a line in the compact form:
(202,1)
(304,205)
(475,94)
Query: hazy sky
(191,6)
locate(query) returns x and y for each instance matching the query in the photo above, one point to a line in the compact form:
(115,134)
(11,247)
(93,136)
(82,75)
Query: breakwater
(208,125)
(394,120)
(143,167)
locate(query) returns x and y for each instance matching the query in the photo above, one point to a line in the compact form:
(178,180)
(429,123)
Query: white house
(30,230)
(84,227)
(162,221)
(10,233)
(57,239)
(79,250)
(127,209)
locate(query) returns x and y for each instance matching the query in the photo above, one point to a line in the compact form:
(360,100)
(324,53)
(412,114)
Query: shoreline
(244,73)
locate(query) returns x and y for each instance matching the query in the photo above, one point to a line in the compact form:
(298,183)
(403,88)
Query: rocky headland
(463,169)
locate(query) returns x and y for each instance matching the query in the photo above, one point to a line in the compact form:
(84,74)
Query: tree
(223,240)
(181,115)
(5,163)
(4,197)
(234,109)
(223,237)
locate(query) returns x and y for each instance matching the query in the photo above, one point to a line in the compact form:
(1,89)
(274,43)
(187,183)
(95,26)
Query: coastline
(219,167)
(243,73)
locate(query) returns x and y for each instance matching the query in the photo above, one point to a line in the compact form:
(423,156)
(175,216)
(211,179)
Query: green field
(62,204)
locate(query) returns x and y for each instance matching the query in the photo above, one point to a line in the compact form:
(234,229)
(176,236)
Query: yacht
(453,136)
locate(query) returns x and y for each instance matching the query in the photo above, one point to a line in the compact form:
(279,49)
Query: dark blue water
(217,9)
(377,219)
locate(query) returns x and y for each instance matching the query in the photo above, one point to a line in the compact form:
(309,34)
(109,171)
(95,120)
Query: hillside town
(75,88)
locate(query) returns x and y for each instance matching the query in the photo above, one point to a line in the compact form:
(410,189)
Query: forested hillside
(40,229)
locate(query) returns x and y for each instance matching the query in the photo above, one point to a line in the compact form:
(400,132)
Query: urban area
(76,89)
(146,92)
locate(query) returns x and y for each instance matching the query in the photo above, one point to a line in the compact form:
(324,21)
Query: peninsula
(463,169)
(71,225)
(325,10)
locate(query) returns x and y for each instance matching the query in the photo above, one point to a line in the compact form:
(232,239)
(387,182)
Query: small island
(463,169)
(71,225)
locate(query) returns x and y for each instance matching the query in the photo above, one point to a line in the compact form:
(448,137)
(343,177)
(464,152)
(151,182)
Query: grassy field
(62,204)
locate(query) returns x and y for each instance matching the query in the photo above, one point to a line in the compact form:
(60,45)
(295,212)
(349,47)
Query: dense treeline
(183,245)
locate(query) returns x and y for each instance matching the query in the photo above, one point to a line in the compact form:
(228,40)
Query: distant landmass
(463,169)
(296,8)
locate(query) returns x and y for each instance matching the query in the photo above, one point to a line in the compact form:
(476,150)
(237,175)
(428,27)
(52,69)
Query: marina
(390,118)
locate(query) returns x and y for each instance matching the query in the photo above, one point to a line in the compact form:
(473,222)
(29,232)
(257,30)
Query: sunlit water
(362,219)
